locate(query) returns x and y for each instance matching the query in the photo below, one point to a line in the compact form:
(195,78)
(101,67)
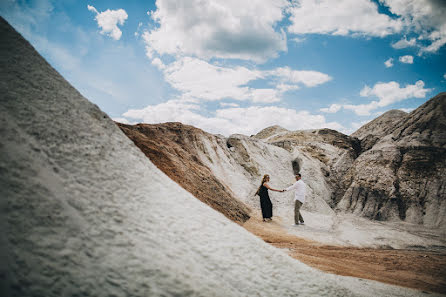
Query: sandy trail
(422,270)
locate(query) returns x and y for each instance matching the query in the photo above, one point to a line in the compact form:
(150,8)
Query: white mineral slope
(84,213)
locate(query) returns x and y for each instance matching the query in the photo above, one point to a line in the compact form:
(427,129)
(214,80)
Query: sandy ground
(424,270)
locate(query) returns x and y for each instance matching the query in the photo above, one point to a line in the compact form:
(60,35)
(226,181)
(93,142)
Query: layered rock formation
(372,132)
(403,175)
(173,148)
(84,213)
(392,168)
(322,156)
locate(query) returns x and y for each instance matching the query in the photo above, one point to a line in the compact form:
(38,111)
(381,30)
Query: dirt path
(423,270)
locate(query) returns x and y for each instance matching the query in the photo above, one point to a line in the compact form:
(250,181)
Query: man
(299,198)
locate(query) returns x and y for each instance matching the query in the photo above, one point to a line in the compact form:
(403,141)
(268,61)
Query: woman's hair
(266,176)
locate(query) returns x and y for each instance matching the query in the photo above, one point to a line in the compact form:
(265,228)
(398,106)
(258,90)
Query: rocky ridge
(391,169)
(372,132)
(402,176)
(172,147)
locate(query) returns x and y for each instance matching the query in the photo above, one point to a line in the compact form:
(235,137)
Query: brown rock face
(403,176)
(173,148)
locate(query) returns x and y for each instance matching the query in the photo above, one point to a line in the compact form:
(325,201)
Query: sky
(240,66)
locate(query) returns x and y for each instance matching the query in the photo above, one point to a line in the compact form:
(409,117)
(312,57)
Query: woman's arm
(269,188)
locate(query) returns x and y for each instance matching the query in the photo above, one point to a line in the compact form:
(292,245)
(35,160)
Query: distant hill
(372,132)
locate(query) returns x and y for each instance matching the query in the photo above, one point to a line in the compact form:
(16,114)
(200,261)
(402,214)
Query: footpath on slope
(422,270)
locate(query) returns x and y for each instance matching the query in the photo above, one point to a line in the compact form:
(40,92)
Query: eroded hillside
(391,169)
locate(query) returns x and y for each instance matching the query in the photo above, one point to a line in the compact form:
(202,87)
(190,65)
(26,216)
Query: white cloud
(406,59)
(158,63)
(123,121)
(108,21)
(391,92)
(403,43)
(91,8)
(362,109)
(217,28)
(309,78)
(387,93)
(389,63)
(228,121)
(196,78)
(444,76)
(199,79)
(334,108)
(138,30)
(298,40)
(424,17)
(228,104)
(265,95)
(286,87)
(407,109)
(342,17)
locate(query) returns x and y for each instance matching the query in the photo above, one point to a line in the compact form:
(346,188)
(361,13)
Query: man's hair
(299,175)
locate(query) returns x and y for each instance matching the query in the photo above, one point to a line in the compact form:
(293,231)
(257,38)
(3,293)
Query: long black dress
(265,203)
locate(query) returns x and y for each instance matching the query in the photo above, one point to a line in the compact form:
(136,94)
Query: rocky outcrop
(402,177)
(372,132)
(323,156)
(392,168)
(173,148)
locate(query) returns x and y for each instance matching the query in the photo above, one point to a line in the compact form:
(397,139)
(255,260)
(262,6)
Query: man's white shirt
(300,190)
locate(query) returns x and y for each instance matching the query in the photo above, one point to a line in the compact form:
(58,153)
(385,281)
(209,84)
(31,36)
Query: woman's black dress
(265,203)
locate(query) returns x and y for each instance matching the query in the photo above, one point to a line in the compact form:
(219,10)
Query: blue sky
(241,66)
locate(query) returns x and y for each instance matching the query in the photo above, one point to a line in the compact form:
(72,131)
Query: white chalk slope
(84,213)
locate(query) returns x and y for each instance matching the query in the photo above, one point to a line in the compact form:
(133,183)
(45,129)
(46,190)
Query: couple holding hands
(267,206)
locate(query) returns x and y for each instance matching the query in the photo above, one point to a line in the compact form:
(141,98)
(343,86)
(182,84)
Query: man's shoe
(302,223)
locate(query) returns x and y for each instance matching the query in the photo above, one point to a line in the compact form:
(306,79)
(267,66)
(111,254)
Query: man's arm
(293,186)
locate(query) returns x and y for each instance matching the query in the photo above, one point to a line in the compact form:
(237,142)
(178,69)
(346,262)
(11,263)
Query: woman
(265,202)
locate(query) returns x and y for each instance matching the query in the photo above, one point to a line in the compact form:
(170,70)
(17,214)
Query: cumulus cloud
(362,109)
(342,17)
(423,17)
(108,21)
(387,93)
(444,76)
(309,78)
(217,28)
(389,63)
(403,43)
(200,79)
(334,108)
(228,104)
(228,121)
(123,121)
(158,63)
(407,109)
(196,78)
(408,59)
(391,92)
